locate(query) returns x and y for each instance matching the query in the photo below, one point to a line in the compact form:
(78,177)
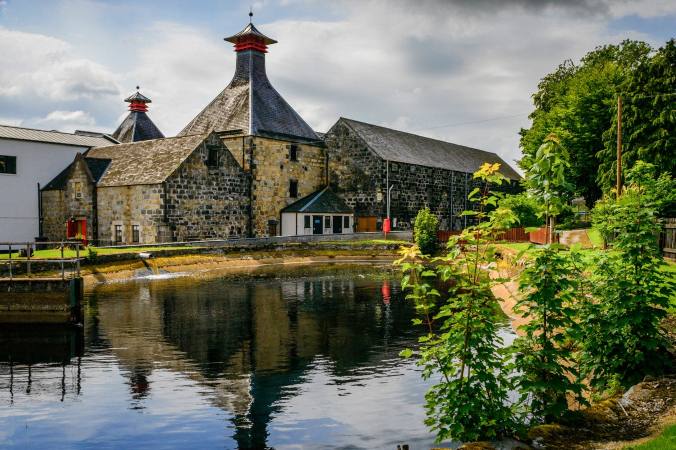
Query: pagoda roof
(250,30)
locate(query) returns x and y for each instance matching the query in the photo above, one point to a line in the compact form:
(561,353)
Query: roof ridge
(314,199)
(48,131)
(416,135)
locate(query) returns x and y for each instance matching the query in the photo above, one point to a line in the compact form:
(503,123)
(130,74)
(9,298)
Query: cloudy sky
(462,70)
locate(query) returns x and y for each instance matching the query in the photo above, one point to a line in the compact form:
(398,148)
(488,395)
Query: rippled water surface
(306,362)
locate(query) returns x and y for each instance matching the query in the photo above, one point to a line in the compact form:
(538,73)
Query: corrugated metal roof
(54,137)
(399,146)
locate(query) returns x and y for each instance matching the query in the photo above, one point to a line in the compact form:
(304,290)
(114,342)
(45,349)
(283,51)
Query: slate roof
(399,146)
(145,162)
(54,137)
(250,103)
(137,126)
(96,167)
(321,201)
(250,30)
(137,97)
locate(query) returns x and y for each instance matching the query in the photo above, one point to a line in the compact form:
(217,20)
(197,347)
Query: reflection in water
(305,363)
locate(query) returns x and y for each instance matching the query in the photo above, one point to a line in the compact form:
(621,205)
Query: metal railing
(29,260)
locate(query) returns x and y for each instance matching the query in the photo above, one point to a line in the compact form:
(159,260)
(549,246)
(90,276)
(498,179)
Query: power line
(473,122)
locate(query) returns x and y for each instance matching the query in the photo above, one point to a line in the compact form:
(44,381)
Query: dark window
(346,222)
(293,152)
(306,221)
(327,222)
(293,188)
(118,234)
(7,164)
(212,158)
(135,238)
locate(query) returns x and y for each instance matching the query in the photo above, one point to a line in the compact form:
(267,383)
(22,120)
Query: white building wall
(296,221)
(36,162)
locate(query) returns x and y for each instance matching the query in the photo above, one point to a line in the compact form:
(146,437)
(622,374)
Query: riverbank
(218,262)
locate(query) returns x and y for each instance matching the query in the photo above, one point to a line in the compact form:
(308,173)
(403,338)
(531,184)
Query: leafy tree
(648,118)
(544,355)
(462,347)
(525,207)
(576,102)
(546,180)
(631,291)
(425,230)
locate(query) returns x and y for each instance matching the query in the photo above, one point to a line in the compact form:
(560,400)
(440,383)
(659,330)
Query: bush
(426,227)
(526,208)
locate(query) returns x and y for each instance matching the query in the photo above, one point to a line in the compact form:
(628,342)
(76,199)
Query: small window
(118,234)
(293,152)
(77,189)
(346,222)
(8,164)
(306,221)
(327,222)
(212,156)
(135,234)
(293,188)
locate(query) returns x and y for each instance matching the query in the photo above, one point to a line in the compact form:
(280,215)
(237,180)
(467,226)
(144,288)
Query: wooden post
(28,257)
(10,262)
(77,258)
(618,184)
(63,269)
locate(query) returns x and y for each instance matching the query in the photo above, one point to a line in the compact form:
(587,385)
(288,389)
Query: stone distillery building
(248,165)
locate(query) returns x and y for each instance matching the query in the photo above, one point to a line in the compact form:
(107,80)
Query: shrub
(462,346)
(526,208)
(631,292)
(426,227)
(547,371)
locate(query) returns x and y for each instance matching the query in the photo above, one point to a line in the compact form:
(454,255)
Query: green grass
(665,441)
(70,253)
(595,237)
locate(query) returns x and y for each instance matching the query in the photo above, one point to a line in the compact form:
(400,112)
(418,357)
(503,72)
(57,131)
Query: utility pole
(618,185)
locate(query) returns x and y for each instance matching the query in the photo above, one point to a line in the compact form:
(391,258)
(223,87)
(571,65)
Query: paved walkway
(570,237)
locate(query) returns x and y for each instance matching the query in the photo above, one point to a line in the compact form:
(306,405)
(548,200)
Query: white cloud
(67,120)
(44,66)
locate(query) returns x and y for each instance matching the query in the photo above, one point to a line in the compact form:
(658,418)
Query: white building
(321,212)
(29,159)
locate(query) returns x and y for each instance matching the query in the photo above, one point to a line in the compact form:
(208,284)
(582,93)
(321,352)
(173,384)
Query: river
(302,361)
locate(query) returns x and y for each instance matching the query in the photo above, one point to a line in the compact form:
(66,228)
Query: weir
(53,297)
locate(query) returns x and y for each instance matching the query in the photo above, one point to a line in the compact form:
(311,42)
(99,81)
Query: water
(295,363)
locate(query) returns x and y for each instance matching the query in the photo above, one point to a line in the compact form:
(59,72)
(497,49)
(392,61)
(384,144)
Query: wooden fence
(668,238)
(511,235)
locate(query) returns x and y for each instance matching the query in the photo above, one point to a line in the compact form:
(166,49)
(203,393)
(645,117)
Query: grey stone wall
(59,205)
(359,176)
(141,205)
(206,202)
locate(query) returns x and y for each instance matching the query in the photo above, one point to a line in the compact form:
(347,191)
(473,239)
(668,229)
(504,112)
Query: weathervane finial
(137,88)
(250,13)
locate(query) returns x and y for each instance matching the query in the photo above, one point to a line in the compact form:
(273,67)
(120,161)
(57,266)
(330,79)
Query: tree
(455,305)
(546,180)
(648,118)
(576,103)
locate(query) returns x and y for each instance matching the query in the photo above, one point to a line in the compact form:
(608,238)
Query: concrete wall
(36,162)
